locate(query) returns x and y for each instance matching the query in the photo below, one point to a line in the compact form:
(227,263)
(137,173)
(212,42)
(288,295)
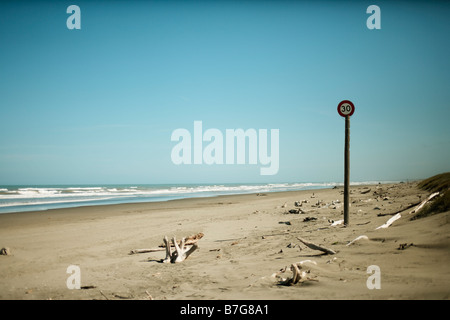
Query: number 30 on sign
(345,108)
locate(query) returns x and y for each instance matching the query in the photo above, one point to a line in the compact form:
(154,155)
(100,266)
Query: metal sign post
(346,109)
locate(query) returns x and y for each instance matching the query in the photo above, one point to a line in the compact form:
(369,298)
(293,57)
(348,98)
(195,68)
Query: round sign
(346,108)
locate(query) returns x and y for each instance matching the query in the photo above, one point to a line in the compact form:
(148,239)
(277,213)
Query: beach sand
(247,238)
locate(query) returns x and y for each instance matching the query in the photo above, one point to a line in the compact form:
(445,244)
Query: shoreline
(247,238)
(105,210)
(139,198)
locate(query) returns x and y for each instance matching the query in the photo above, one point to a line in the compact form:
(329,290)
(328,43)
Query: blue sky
(98,105)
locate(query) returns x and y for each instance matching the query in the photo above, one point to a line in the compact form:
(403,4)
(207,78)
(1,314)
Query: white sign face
(346,108)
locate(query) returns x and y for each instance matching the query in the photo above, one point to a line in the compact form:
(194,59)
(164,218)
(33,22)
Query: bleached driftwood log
(298,274)
(316,247)
(357,239)
(134,251)
(420,206)
(390,221)
(335,223)
(188,241)
(180,254)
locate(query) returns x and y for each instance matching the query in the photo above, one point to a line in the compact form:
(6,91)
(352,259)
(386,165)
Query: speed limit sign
(345,108)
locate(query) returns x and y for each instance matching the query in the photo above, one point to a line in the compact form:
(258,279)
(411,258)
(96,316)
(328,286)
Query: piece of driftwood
(296,211)
(404,246)
(300,203)
(318,204)
(364,192)
(104,295)
(232,239)
(420,206)
(335,223)
(357,239)
(298,274)
(134,251)
(180,254)
(88,287)
(306,261)
(275,234)
(390,221)
(5,251)
(149,296)
(316,247)
(398,211)
(188,241)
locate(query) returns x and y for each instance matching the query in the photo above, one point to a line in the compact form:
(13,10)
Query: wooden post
(347,170)
(345,109)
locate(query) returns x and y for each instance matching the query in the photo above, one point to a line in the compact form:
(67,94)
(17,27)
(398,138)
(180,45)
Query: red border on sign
(339,108)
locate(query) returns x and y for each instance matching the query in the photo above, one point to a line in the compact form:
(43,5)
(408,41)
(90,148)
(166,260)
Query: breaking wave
(31,198)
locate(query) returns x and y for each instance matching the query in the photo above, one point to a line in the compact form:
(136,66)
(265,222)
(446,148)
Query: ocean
(44,197)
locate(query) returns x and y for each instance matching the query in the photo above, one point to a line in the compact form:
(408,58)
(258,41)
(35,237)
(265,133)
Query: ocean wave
(79,192)
(52,196)
(36,203)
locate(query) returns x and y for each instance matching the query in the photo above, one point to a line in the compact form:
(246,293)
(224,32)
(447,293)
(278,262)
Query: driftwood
(188,240)
(300,203)
(420,206)
(149,296)
(335,223)
(398,215)
(5,251)
(404,246)
(298,275)
(191,240)
(356,239)
(295,211)
(316,247)
(390,221)
(398,211)
(233,239)
(134,251)
(180,254)
(275,234)
(364,192)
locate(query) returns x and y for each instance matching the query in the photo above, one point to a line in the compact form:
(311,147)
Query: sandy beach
(247,240)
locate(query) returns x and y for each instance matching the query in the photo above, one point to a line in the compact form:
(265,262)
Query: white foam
(29,196)
(34,203)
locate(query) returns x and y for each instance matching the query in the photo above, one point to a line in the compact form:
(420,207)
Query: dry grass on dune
(438,183)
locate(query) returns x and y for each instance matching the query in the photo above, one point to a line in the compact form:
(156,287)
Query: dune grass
(438,183)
